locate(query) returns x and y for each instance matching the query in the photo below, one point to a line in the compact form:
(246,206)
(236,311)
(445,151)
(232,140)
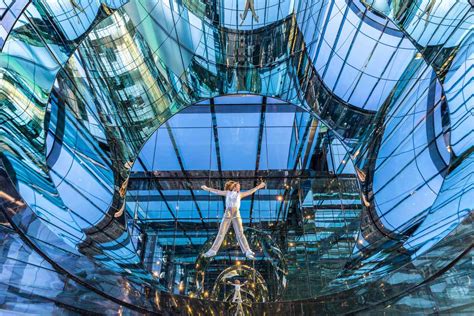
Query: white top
(237,298)
(232,200)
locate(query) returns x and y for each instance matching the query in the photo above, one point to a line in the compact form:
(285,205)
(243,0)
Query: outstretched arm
(252,191)
(215,191)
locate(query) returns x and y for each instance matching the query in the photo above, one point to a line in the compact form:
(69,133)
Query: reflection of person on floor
(232,214)
(237,298)
(249,5)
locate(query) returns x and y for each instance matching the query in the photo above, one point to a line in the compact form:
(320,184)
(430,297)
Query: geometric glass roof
(358,116)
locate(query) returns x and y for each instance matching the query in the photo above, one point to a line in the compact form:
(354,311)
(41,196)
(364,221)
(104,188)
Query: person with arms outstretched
(232,214)
(237,298)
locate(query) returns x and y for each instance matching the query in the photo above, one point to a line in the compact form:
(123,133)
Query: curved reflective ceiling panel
(358,115)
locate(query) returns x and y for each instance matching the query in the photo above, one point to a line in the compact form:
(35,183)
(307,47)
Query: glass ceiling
(241,136)
(369,187)
(245,138)
(236,122)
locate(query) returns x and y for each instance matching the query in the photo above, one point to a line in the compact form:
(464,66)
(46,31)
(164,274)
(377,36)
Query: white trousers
(231,215)
(239,311)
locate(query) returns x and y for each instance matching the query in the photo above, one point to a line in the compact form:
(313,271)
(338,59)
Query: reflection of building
(136,90)
(355,113)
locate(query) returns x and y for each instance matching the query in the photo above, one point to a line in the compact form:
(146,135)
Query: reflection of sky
(407,179)
(238,121)
(268,11)
(75,20)
(238,131)
(459,89)
(192,132)
(361,71)
(430,23)
(152,206)
(453,203)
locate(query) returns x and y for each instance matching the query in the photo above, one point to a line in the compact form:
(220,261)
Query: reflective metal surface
(358,115)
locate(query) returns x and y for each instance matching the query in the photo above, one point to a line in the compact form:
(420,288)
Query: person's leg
(239,310)
(239,232)
(246,10)
(223,228)
(252,9)
(429,8)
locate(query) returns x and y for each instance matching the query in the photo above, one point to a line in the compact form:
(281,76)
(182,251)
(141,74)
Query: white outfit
(232,214)
(232,199)
(237,298)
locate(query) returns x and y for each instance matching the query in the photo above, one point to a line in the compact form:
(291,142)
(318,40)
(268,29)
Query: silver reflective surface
(101,152)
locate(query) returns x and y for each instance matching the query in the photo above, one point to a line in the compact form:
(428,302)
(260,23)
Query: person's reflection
(237,298)
(247,75)
(249,5)
(241,65)
(76,5)
(11,199)
(427,12)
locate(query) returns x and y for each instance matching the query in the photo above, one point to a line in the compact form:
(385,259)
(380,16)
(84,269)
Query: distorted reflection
(267,140)
(353,119)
